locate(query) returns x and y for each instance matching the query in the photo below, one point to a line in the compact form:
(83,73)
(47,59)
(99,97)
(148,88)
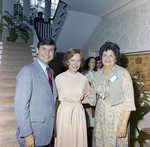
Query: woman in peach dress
(72,87)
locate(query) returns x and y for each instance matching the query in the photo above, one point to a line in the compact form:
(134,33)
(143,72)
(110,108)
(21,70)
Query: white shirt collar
(91,73)
(42,65)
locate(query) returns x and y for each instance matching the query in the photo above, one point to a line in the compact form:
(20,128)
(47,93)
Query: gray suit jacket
(34,104)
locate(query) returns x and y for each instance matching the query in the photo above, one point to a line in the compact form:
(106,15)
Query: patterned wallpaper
(130,30)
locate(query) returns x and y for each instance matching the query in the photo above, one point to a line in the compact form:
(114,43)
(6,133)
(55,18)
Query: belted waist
(73,106)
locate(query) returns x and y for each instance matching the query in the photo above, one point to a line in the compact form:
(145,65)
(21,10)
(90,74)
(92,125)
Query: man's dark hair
(97,58)
(40,13)
(46,41)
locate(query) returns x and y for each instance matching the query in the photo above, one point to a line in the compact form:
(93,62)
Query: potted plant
(141,96)
(16,25)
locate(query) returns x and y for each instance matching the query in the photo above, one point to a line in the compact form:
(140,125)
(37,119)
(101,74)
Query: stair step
(8,134)
(16,62)
(17,57)
(16,47)
(7,83)
(10,128)
(7,118)
(15,44)
(7,104)
(7,92)
(16,52)
(11,144)
(7,47)
(10,68)
(14,57)
(8,75)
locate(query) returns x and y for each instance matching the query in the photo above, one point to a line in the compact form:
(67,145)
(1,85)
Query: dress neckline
(109,72)
(72,74)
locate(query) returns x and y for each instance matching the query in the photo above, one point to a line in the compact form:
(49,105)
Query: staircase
(14,57)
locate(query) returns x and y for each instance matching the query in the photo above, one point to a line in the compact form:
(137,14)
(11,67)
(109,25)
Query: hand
(29,141)
(122,131)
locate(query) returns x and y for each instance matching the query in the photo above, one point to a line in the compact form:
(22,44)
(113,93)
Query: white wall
(76,30)
(130,30)
(47,10)
(9,6)
(26,8)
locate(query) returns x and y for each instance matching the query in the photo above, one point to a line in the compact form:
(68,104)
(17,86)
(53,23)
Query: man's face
(45,53)
(99,64)
(40,15)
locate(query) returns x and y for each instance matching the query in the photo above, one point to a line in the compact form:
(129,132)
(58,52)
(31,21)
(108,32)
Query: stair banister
(51,28)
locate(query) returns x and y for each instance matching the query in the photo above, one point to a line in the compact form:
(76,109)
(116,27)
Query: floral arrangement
(139,92)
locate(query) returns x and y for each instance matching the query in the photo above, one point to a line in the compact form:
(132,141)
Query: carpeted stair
(13,57)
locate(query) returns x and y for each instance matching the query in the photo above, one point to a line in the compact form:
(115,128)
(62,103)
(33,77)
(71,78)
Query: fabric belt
(74,105)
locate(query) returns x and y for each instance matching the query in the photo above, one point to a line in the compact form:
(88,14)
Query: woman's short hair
(69,54)
(110,46)
(86,64)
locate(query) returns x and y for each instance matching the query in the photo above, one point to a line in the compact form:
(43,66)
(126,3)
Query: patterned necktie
(49,77)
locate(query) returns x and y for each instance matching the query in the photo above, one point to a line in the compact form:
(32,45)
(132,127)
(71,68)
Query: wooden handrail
(44,29)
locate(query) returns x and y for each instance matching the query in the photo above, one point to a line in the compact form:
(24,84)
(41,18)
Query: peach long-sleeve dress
(71,123)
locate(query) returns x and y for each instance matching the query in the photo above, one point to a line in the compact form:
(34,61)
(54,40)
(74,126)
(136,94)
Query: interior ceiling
(96,7)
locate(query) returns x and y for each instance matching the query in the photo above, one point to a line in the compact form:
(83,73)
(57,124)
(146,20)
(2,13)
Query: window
(18,8)
(54,4)
(39,5)
(35,7)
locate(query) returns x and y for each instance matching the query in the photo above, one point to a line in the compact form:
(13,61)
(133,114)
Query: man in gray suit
(35,99)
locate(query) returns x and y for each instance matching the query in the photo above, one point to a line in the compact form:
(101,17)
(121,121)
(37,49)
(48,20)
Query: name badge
(113,78)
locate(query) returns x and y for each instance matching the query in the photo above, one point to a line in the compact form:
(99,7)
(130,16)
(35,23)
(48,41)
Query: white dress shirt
(43,67)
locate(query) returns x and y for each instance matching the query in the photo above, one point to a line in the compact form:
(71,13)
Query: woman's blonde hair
(69,54)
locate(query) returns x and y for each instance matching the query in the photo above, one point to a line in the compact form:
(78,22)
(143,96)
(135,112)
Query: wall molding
(114,8)
(121,7)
